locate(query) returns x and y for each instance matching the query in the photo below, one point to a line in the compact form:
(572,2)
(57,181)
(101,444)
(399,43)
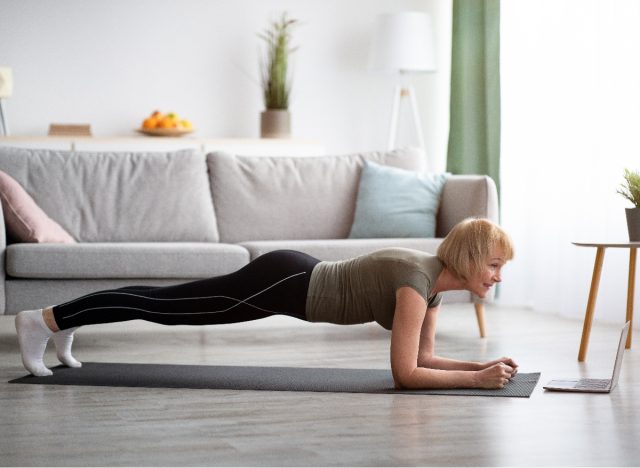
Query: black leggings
(274,283)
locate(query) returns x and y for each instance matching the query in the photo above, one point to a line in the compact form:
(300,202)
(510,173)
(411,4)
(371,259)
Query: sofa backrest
(271,198)
(119,197)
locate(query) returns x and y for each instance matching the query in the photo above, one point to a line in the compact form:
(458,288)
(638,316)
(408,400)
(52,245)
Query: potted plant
(630,190)
(275,121)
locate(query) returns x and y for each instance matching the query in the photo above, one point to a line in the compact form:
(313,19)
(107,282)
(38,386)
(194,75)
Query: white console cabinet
(244,147)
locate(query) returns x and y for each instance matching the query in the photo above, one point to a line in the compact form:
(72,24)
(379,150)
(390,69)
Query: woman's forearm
(422,378)
(436,362)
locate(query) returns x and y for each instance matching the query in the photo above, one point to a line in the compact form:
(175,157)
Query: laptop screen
(618,364)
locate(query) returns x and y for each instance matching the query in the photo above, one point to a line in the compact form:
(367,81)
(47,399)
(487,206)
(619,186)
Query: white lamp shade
(6,82)
(403,42)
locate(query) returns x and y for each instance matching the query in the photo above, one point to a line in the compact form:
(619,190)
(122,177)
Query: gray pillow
(286,198)
(119,197)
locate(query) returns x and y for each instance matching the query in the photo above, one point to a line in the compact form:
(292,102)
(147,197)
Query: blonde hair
(469,244)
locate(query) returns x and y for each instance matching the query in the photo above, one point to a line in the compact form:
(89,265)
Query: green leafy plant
(630,189)
(276,83)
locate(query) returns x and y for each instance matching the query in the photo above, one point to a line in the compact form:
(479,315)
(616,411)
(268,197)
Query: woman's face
(481,282)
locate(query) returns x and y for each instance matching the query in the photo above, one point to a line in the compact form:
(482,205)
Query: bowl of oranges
(170,124)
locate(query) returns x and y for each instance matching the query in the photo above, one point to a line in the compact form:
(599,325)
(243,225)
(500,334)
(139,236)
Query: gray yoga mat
(293,379)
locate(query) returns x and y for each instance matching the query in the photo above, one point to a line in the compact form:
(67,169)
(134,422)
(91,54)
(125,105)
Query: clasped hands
(497,373)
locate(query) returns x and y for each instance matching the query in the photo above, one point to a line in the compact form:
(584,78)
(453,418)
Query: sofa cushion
(119,197)
(29,294)
(26,222)
(270,198)
(339,249)
(393,202)
(124,260)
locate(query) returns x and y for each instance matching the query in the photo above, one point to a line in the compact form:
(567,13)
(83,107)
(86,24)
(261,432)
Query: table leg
(591,303)
(631,291)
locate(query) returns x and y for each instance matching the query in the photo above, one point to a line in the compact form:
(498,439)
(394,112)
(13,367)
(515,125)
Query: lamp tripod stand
(401,92)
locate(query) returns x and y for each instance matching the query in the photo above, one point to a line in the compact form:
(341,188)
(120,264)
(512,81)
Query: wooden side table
(595,282)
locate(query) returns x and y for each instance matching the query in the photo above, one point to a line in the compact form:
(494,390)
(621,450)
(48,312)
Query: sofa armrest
(466,196)
(3,253)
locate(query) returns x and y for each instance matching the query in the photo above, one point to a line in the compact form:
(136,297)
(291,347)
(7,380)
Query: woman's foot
(63,340)
(33,335)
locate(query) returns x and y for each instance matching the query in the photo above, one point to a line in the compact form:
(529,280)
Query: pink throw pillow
(25,219)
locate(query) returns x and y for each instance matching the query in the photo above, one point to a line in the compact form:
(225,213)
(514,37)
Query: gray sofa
(163,218)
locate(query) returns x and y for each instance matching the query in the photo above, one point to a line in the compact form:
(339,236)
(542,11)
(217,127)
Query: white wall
(111,63)
(571,114)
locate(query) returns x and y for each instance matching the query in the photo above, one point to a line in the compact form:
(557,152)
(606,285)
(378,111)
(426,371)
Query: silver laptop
(594,385)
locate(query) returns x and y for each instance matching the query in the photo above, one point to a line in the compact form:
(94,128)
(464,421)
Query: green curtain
(474,133)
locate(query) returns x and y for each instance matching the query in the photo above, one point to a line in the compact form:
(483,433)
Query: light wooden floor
(54,426)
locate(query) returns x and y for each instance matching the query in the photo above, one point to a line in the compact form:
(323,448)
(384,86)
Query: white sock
(63,341)
(33,335)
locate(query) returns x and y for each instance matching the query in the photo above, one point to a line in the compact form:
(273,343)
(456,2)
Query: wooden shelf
(241,146)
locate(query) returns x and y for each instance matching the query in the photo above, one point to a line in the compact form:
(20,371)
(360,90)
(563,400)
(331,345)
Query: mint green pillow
(395,202)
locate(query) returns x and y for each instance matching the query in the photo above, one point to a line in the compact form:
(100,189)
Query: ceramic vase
(275,123)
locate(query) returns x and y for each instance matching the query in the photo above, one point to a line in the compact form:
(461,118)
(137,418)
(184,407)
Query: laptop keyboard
(596,384)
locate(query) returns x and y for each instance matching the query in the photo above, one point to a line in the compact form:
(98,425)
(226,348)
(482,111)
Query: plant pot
(633,224)
(275,123)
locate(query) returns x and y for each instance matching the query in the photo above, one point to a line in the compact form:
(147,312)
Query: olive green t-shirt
(363,289)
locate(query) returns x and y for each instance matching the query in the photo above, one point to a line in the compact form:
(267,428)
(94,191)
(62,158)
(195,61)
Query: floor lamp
(6,89)
(403,44)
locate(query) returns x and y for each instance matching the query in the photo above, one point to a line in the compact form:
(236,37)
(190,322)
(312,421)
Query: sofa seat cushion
(123,260)
(119,197)
(341,249)
(271,198)
(29,294)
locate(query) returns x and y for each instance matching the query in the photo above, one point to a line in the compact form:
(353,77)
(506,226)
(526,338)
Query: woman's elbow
(403,379)
(399,385)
